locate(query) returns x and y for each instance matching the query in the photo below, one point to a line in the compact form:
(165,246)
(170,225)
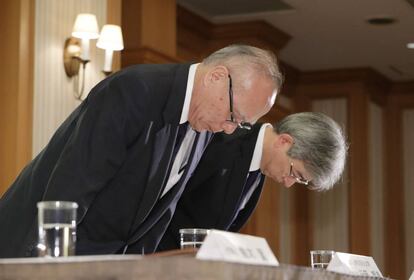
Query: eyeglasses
(242,125)
(298,179)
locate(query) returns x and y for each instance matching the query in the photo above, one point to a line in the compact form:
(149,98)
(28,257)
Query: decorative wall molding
(197,37)
(377,85)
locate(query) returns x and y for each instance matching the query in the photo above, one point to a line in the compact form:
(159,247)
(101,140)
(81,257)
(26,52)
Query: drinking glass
(192,237)
(57,228)
(321,258)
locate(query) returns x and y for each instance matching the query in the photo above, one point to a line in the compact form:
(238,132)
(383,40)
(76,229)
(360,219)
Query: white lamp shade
(110,38)
(85,27)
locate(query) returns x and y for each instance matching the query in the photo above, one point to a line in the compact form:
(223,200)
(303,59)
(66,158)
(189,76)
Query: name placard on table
(354,264)
(235,247)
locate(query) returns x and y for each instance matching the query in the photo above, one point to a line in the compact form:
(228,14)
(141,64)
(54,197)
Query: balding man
(126,153)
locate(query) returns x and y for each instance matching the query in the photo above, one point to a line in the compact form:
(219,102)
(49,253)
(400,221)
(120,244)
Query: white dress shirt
(255,163)
(184,151)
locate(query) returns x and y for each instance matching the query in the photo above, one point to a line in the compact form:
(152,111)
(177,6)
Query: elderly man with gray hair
(304,148)
(126,153)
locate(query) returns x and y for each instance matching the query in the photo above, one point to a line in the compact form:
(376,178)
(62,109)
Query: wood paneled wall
(149,28)
(114,16)
(196,37)
(283,216)
(329,212)
(356,87)
(397,244)
(408,160)
(377,137)
(16,86)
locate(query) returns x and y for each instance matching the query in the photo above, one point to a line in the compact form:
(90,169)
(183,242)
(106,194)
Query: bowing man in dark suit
(305,148)
(125,154)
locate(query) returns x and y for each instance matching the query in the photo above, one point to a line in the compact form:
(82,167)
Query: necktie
(250,182)
(180,155)
(248,189)
(182,129)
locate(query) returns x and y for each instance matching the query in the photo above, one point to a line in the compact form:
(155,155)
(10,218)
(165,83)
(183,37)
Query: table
(168,266)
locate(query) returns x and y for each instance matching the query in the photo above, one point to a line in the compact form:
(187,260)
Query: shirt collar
(258,149)
(188,93)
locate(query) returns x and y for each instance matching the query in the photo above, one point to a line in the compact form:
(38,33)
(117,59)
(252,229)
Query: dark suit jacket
(214,193)
(112,156)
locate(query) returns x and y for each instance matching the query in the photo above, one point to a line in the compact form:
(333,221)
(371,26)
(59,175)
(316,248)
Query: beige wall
(53,90)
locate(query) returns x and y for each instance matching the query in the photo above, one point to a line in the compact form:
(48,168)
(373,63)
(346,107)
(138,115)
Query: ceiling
(329,34)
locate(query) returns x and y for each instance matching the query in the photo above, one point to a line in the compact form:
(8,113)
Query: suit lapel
(174,106)
(237,180)
(169,200)
(164,142)
(234,193)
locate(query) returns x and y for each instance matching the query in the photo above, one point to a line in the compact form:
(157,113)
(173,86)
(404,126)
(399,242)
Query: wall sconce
(110,40)
(75,52)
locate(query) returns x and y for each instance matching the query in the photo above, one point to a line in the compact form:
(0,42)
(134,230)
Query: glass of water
(321,258)
(57,228)
(192,237)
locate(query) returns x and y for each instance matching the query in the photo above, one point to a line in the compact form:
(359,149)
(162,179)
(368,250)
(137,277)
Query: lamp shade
(110,38)
(85,27)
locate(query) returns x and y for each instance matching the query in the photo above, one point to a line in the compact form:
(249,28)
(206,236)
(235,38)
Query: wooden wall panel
(329,210)
(197,37)
(149,28)
(408,163)
(114,16)
(359,195)
(357,86)
(16,85)
(376,173)
(401,98)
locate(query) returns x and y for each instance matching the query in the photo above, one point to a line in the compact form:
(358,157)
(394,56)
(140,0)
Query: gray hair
(242,58)
(320,143)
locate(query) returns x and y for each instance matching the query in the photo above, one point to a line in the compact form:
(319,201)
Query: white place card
(412,276)
(354,264)
(235,247)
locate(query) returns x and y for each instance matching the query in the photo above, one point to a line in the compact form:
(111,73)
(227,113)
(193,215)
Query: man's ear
(284,139)
(216,74)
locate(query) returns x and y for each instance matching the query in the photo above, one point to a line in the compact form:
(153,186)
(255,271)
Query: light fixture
(110,40)
(75,52)
(410,45)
